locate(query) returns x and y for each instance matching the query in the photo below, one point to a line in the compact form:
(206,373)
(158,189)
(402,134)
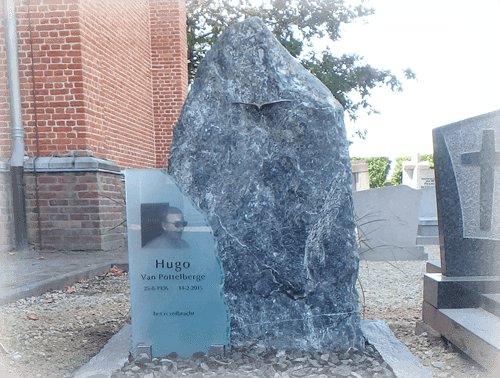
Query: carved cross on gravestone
(487,159)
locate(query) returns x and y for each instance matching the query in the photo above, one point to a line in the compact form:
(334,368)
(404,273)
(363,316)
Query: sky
(452,46)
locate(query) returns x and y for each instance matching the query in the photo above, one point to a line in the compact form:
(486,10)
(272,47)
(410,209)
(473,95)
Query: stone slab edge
(70,164)
(414,253)
(115,353)
(433,266)
(395,353)
(56,283)
(112,357)
(427,240)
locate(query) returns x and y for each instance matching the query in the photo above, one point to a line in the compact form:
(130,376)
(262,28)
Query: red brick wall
(110,78)
(78,210)
(169,70)
(58,77)
(115,39)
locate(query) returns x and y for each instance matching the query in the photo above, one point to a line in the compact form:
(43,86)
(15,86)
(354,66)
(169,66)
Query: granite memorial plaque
(467,170)
(176,277)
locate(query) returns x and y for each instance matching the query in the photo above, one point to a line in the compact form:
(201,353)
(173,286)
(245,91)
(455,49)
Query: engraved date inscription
(155,288)
(190,287)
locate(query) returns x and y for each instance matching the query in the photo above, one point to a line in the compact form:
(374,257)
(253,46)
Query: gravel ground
(55,334)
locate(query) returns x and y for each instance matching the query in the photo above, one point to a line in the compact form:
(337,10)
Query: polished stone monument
(176,277)
(467,161)
(462,293)
(261,148)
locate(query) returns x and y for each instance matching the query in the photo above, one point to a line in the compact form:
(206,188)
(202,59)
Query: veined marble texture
(261,148)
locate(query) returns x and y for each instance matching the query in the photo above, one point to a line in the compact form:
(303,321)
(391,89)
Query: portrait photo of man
(162,226)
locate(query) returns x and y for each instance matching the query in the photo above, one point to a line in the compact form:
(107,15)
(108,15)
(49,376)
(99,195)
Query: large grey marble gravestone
(261,147)
(176,277)
(467,161)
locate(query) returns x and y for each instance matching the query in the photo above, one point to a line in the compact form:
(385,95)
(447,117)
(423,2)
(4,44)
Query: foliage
(429,158)
(349,73)
(295,22)
(378,168)
(397,176)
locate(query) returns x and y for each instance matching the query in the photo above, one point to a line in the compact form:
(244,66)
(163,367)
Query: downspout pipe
(17,156)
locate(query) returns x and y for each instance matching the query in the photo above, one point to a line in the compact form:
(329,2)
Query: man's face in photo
(173,225)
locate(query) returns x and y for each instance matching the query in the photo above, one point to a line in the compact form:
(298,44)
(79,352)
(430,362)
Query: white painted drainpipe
(17,156)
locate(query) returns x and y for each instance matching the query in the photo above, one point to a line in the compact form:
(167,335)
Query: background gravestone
(177,303)
(462,295)
(261,147)
(467,164)
(388,223)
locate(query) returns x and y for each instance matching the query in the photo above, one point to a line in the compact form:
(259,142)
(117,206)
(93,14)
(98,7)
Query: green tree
(295,22)
(378,168)
(397,176)
(429,158)
(348,73)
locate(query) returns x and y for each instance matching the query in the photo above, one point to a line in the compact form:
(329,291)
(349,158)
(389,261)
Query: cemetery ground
(55,334)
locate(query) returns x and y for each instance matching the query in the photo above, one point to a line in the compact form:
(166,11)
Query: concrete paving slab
(395,353)
(32,273)
(476,332)
(112,356)
(473,330)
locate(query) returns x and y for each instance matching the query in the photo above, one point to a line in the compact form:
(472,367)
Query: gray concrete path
(32,273)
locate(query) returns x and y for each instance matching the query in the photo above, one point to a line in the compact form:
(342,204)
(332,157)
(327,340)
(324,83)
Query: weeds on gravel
(362,239)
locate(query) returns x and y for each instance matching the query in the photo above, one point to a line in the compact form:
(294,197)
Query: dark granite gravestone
(176,277)
(261,147)
(467,161)
(462,294)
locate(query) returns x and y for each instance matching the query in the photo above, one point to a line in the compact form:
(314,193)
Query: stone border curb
(112,356)
(403,363)
(115,353)
(38,288)
(70,164)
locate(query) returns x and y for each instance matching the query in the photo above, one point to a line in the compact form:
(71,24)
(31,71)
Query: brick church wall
(110,80)
(79,210)
(117,86)
(169,71)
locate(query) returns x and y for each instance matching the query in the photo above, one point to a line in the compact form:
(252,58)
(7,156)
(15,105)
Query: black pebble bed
(258,361)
